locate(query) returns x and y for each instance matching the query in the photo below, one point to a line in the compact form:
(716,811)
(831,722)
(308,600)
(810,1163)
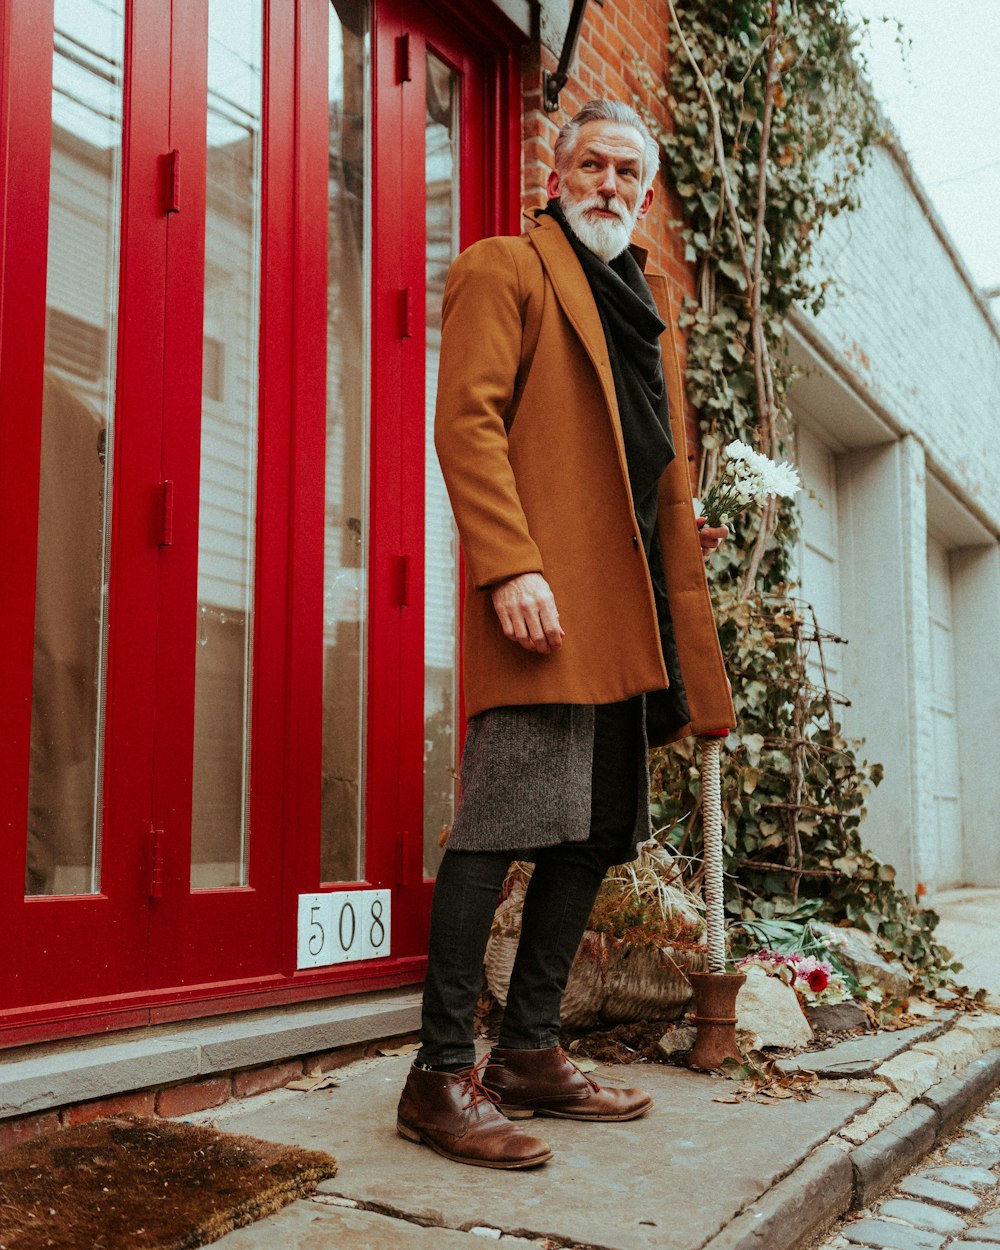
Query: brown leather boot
(453,1114)
(548,1082)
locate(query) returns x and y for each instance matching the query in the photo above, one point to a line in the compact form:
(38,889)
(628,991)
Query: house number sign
(343,927)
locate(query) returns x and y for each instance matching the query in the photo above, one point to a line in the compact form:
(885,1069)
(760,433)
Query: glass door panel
(345,572)
(441,589)
(227,503)
(71,603)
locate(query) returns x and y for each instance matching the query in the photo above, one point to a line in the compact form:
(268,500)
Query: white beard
(605,238)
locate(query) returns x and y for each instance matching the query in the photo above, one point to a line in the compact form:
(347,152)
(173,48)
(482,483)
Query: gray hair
(609,111)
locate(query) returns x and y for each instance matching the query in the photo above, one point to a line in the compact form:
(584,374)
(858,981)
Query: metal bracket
(155,863)
(554,83)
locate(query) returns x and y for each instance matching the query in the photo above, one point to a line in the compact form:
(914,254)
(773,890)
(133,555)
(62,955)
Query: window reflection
(345,587)
(227,505)
(441,539)
(64,804)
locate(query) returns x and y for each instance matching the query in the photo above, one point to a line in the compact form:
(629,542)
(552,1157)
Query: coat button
(635,542)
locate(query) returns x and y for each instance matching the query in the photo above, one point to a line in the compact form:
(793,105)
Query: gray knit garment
(526,774)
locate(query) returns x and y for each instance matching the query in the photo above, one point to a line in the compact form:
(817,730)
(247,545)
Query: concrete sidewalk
(695,1174)
(970,929)
(672,1179)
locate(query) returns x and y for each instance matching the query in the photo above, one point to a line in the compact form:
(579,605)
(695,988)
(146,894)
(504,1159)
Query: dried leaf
(407,1049)
(308,1084)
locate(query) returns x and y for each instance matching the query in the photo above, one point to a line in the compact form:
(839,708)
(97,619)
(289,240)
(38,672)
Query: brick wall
(186,1097)
(622,55)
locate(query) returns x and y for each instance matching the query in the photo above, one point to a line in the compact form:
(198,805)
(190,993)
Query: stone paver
(943,1195)
(886,1236)
(912,1073)
(974,1245)
(863,1055)
(312,1226)
(982,1237)
(966,1177)
(978,1151)
(923,1215)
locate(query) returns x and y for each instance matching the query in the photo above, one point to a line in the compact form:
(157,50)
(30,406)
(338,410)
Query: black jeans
(557,905)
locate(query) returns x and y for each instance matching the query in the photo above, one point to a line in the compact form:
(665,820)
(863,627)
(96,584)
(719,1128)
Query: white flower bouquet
(748,479)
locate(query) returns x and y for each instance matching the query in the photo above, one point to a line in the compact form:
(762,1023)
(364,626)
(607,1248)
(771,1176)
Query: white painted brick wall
(915,642)
(906,324)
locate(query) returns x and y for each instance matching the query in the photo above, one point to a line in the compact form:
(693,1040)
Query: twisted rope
(711,799)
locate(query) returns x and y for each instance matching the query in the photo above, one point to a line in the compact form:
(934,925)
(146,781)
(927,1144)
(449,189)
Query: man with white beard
(588,629)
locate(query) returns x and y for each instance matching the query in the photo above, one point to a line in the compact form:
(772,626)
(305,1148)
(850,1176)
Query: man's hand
(710,536)
(527,613)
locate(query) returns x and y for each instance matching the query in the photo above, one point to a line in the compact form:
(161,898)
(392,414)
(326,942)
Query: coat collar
(572,290)
(574,294)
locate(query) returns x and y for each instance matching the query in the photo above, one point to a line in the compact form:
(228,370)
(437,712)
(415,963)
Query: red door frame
(95,935)
(288,620)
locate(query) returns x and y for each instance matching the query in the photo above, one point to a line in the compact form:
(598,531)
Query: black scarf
(632,329)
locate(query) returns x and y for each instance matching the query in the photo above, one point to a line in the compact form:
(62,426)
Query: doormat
(137,1184)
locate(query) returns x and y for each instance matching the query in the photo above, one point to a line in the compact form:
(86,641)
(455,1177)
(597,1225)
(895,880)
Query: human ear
(552,185)
(647,201)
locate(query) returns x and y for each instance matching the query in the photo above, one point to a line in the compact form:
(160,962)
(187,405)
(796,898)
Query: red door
(230,672)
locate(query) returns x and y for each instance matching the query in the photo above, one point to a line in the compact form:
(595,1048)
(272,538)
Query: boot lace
(473,1082)
(589,1079)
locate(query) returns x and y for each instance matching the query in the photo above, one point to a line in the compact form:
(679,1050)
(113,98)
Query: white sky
(942,93)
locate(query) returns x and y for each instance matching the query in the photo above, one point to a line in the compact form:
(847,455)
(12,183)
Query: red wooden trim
(98,940)
(180,457)
(85,1017)
(237,931)
(411,229)
(81,1026)
(385,821)
(213,1002)
(303,712)
(181,462)
(25,138)
(275,419)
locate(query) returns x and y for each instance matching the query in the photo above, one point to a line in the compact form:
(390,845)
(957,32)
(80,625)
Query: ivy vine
(772,124)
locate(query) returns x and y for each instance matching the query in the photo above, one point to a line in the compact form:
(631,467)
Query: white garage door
(946,778)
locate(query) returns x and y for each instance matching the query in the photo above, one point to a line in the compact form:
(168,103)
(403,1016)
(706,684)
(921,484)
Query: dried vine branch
(771,126)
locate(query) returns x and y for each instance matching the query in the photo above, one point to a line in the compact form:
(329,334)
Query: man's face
(601,187)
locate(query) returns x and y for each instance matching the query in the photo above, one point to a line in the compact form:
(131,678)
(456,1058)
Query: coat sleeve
(480,357)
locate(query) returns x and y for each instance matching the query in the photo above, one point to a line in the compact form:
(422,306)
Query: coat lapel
(574,295)
(572,290)
(668,351)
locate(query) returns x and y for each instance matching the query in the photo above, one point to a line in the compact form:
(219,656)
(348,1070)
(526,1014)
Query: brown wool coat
(529,438)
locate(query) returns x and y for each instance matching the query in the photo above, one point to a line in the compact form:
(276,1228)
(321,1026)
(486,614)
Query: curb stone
(799,1206)
(957,1096)
(890,1152)
(884,1157)
(832,1181)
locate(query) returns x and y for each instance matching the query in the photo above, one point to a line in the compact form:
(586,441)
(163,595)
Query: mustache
(608,206)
